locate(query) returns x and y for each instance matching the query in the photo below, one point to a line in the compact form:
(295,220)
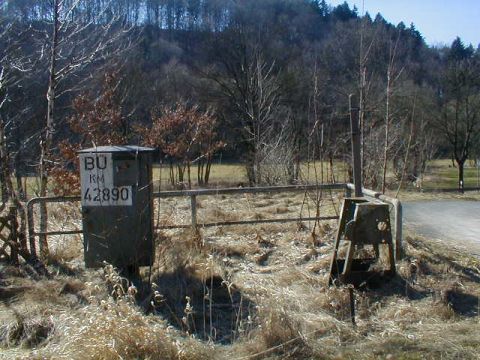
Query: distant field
(235,173)
(440,174)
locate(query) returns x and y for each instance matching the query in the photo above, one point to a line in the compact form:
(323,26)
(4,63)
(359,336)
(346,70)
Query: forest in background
(266,83)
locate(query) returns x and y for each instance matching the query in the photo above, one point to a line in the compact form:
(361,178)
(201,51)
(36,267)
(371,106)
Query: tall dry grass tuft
(277,335)
(100,324)
(64,251)
(117,330)
(27,333)
(336,302)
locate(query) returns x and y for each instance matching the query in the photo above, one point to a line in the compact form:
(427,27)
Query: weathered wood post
(193,202)
(356,156)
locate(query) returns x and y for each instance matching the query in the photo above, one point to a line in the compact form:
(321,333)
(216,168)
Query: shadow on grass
(61,267)
(462,303)
(210,308)
(434,257)
(395,286)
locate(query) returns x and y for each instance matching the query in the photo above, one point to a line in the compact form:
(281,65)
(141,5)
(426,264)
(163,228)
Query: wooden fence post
(193,202)
(356,155)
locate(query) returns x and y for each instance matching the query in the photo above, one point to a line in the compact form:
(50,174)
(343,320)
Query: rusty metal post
(356,155)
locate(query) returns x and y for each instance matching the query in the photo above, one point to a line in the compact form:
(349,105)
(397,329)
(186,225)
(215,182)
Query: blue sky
(439,21)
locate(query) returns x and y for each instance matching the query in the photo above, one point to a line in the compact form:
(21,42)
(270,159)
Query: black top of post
(357,162)
(114,149)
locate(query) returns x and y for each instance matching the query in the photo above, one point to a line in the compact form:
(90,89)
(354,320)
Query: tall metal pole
(356,156)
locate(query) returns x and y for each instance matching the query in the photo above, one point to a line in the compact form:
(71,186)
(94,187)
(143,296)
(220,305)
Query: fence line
(397,228)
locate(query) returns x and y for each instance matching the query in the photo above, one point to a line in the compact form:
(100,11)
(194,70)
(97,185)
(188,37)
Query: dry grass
(116,330)
(243,292)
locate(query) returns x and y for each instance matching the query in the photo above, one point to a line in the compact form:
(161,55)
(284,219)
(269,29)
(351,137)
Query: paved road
(452,221)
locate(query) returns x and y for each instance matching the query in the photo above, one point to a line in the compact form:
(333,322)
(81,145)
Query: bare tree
(277,154)
(366,103)
(461,104)
(74,43)
(13,65)
(5,179)
(249,83)
(392,76)
(4,157)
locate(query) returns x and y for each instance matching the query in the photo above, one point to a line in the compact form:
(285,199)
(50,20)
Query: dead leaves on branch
(96,122)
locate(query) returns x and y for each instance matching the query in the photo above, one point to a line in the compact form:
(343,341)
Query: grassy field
(440,174)
(229,174)
(240,293)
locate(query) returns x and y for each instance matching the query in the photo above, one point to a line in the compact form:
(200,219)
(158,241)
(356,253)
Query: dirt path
(451,221)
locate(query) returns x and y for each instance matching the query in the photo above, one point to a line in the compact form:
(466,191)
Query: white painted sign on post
(96,179)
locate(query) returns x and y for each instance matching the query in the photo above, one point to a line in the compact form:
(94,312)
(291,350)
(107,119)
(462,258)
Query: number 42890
(106,194)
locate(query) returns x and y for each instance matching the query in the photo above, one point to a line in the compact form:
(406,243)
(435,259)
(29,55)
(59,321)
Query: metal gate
(193,194)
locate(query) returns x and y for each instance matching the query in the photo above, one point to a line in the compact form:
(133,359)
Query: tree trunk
(20,190)
(207,170)
(332,172)
(4,163)
(180,170)
(362,105)
(250,159)
(171,173)
(200,172)
(453,161)
(296,166)
(461,184)
(18,177)
(46,144)
(250,173)
(17,207)
(387,133)
(407,153)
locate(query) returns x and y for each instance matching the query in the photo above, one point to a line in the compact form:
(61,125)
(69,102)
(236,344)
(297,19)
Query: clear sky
(439,21)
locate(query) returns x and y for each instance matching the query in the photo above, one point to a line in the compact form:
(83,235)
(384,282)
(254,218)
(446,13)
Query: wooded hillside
(273,77)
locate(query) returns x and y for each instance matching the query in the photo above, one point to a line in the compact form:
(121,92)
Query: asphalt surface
(454,222)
